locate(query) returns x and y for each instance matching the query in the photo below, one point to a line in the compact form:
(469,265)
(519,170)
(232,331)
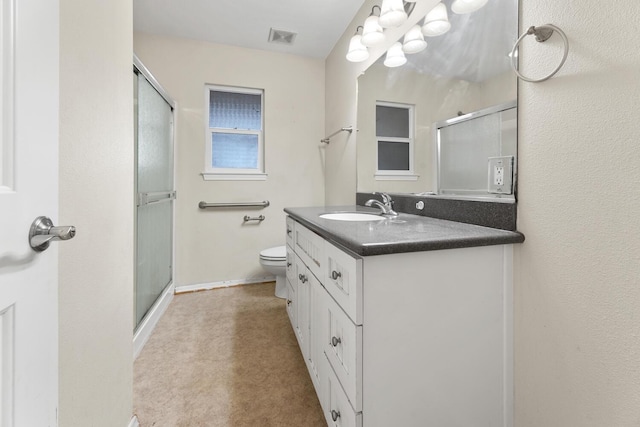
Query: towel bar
(263,204)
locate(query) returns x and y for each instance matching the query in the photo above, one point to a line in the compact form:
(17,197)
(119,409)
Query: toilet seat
(278,253)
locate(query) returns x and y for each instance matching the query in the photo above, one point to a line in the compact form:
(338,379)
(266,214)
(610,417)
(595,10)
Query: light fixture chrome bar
(409,6)
(326,139)
(157,197)
(263,204)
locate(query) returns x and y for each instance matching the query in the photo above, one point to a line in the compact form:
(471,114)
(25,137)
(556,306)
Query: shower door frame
(143,330)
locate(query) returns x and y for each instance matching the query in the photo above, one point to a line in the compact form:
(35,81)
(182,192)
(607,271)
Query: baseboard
(224,284)
(148,324)
(134,422)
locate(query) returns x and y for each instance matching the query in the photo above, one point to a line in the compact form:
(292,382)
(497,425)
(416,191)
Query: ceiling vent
(281,36)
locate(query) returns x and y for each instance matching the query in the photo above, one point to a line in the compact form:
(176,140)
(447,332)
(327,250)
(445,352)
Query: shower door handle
(42,232)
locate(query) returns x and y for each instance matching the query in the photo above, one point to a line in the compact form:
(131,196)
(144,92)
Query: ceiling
(246,23)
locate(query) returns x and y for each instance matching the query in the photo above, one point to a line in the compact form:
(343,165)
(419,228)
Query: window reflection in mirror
(394,138)
(463,71)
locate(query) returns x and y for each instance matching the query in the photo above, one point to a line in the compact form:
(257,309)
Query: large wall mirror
(444,122)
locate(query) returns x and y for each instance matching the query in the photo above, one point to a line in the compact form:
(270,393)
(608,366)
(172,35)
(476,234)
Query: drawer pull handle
(335,415)
(302,278)
(335,275)
(288,302)
(288,231)
(334,342)
(288,264)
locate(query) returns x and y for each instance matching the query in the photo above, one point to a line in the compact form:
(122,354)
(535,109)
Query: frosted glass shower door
(155,194)
(465,145)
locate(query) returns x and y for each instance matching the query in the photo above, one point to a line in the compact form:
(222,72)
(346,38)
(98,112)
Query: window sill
(390,177)
(208,176)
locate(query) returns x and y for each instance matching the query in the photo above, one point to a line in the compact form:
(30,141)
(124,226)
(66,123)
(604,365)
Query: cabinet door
(291,267)
(291,304)
(291,225)
(315,332)
(303,277)
(343,346)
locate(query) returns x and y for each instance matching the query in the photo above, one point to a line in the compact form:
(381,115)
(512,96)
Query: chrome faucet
(386,206)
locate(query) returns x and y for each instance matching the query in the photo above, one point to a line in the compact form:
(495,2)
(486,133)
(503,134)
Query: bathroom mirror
(462,74)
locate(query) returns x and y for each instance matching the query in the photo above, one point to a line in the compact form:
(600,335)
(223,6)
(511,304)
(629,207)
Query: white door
(28,189)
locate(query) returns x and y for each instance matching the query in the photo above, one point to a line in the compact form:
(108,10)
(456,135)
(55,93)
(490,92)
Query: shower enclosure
(153,110)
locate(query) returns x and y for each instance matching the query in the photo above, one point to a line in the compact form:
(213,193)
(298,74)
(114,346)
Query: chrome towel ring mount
(542,33)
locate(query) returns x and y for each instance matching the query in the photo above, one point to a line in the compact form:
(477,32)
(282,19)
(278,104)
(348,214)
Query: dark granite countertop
(404,233)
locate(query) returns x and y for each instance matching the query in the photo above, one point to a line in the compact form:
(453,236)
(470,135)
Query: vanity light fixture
(392,13)
(357,51)
(395,56)
(414,40)
(372,33)
(436,23)
(467,6)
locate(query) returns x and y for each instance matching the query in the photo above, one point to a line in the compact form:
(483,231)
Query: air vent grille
(281,36)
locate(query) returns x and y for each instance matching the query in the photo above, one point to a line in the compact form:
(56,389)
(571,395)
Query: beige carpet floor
(225,357)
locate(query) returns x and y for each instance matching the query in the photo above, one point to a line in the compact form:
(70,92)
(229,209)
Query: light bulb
(395,56)
(467,6)
(414,40)
(392,13)
(372,34)
(436,22)
(357,51)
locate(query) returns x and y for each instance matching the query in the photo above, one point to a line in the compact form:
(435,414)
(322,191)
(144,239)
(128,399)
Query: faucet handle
(385,197)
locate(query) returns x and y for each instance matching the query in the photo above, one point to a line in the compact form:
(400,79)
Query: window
(235,140)
(394,139)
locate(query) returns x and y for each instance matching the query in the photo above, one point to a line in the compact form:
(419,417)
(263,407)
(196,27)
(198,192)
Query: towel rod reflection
(263,204)
(326,139)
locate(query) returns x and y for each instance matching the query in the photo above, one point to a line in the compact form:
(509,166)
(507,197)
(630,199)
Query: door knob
(42,232)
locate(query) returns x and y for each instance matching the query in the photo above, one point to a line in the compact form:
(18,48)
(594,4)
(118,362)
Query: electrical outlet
(498,175)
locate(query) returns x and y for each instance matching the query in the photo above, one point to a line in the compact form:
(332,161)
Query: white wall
(214,245)
(577,280)
(96,195)
(578,273)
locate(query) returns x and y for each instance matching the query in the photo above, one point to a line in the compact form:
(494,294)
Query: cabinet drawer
(344,281)
(339,412)
(310,247)
(291,225)
(291,305)
(342,345)
(291,265)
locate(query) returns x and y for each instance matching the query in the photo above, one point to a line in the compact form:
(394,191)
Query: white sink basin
(352,216)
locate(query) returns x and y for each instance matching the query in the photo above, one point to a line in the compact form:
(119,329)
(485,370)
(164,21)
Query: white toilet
(274,260)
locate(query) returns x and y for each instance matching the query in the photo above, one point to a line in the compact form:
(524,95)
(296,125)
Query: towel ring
(542,33)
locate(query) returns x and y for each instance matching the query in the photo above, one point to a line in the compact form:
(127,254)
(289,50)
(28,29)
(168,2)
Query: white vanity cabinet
(407,339)
(305,292)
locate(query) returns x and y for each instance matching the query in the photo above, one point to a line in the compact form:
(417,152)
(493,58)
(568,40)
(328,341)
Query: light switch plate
(500,175)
